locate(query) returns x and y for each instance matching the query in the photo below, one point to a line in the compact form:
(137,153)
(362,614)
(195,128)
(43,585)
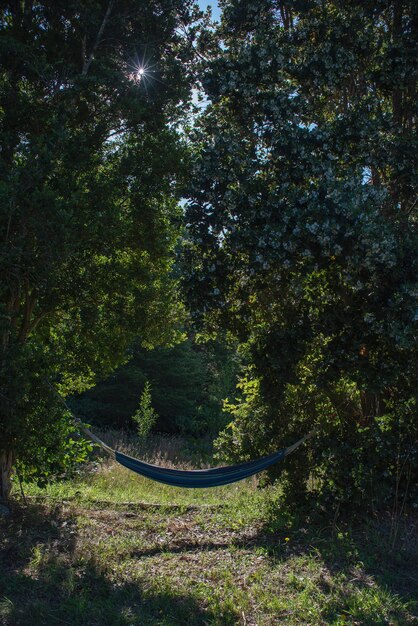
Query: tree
(189,382)
(91,164)
(303,234)
(145,416)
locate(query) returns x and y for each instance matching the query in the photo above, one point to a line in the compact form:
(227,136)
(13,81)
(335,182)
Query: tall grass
(103,479)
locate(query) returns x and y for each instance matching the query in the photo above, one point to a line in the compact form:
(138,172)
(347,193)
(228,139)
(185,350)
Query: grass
(111,482)
(84,556)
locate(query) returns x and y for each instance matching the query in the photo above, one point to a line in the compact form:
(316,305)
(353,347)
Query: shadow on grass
(364,545)
(47,578)
(340,549)
(44,581)
(355,567)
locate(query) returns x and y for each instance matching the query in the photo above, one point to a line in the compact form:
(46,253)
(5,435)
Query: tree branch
(88,62)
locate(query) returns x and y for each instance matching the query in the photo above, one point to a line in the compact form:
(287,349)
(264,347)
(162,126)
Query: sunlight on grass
(114,483)
(224,556)
(108,481)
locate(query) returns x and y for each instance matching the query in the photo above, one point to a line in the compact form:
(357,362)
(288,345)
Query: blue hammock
(213,477)
(195,478)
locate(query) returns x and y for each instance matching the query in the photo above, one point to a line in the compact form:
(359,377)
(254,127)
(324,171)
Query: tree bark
(6,468)
(372,405)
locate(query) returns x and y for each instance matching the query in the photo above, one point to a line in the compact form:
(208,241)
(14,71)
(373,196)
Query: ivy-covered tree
(303,235)
(90,165)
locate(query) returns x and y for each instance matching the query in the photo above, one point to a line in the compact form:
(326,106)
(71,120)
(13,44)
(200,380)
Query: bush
(345,465)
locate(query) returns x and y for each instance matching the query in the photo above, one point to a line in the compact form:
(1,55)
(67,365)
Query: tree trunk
(372,405)
(6,467)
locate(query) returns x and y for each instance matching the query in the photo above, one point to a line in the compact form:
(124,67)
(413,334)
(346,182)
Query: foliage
(189,382)
(91,166)
(41,453)
(303,236)
(145,416)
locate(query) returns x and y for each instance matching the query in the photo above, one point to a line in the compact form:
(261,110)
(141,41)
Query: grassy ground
(110,548)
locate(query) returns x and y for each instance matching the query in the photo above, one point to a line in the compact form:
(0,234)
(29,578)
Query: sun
(140,71)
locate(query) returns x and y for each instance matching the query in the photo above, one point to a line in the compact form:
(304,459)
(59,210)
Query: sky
(216,12)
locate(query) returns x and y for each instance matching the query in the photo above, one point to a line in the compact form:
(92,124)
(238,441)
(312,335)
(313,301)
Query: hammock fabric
(195,478)
(188,478)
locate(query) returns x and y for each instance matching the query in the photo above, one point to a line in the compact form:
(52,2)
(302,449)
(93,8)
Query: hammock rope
(213,477)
